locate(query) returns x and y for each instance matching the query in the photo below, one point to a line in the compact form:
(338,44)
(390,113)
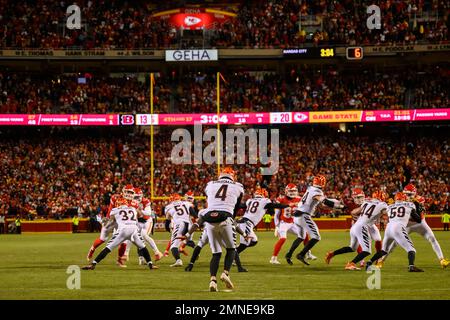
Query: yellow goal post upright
(152,160)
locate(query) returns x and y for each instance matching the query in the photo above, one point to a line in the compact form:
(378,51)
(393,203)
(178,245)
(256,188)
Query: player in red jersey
(284,223)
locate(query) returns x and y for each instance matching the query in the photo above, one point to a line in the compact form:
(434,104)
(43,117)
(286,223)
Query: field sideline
(33,266)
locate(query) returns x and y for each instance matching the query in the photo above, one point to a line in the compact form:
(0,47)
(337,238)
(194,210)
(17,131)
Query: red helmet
(261,193)
(379,195)
(410,190)
(189,196)
(358,195)
(400,196)
(128,192)
(227,172)
(291,190)
(138,194)
(174,197)
(319,181)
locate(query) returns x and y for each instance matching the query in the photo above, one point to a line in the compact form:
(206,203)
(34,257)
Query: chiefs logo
(190,21)
(214,214)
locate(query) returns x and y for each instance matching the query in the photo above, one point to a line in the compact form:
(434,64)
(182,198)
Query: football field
(33,266)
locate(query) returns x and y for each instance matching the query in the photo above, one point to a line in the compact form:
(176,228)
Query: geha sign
(191,55)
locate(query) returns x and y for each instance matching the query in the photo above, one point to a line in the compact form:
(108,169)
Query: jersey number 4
(222,193)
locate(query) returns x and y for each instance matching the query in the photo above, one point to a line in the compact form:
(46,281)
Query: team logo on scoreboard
(127,119)
(300,116)
(190,21)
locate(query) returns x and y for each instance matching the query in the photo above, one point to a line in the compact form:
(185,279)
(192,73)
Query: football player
(421,227)
(284,223)
(369,211)
(255,208)
(399,215)
(145,225)
(307,207)
(223,198)
(125,218)
(179,212)
(107,228)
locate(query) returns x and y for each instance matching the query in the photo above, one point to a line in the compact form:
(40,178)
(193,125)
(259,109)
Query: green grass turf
(33,266)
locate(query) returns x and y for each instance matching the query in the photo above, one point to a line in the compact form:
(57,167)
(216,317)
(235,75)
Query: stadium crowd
(302,89)
(117,24)
(61,172)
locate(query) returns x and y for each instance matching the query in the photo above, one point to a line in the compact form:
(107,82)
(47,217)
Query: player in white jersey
(421,228)
(223,197)
(127,229)
(399,215)
(145,226)
(307,208)
(369,211)
(255,208)
(179,212)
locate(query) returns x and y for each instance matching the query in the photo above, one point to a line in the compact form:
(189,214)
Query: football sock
(237,259)
(122,248)
(359,250)
(294,246)
(169,244)
(436,248)
(101,255)
(378,255)
(305,242)
(229,257)
(176,253)
(150,242)
(241,248)
(214,264)
(311,243)
(411,257)
(97,243)
(378,245)
(360,256)
(195,254)
(342,250)
(144,253)
(278,245)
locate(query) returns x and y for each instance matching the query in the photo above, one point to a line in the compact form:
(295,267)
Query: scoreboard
(310,52)
(354,53)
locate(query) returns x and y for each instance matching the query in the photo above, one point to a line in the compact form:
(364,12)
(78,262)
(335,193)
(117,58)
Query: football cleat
(90,253)
(444,263)
(362,263)
(414,269)
(302,259)
(289,260)
(189,267)
(226,279)
(89,267)
(213,286)
(242,269)
(158,255)
(328,257)
(142,261)
(379,264)
(151,266)
(351,266)
(121,262)
(166,253)
(177,263)
(310,256)
(274,260)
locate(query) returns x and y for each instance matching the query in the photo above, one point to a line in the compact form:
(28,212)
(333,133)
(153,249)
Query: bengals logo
(127,119)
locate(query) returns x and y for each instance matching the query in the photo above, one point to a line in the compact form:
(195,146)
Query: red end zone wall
(343,223)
